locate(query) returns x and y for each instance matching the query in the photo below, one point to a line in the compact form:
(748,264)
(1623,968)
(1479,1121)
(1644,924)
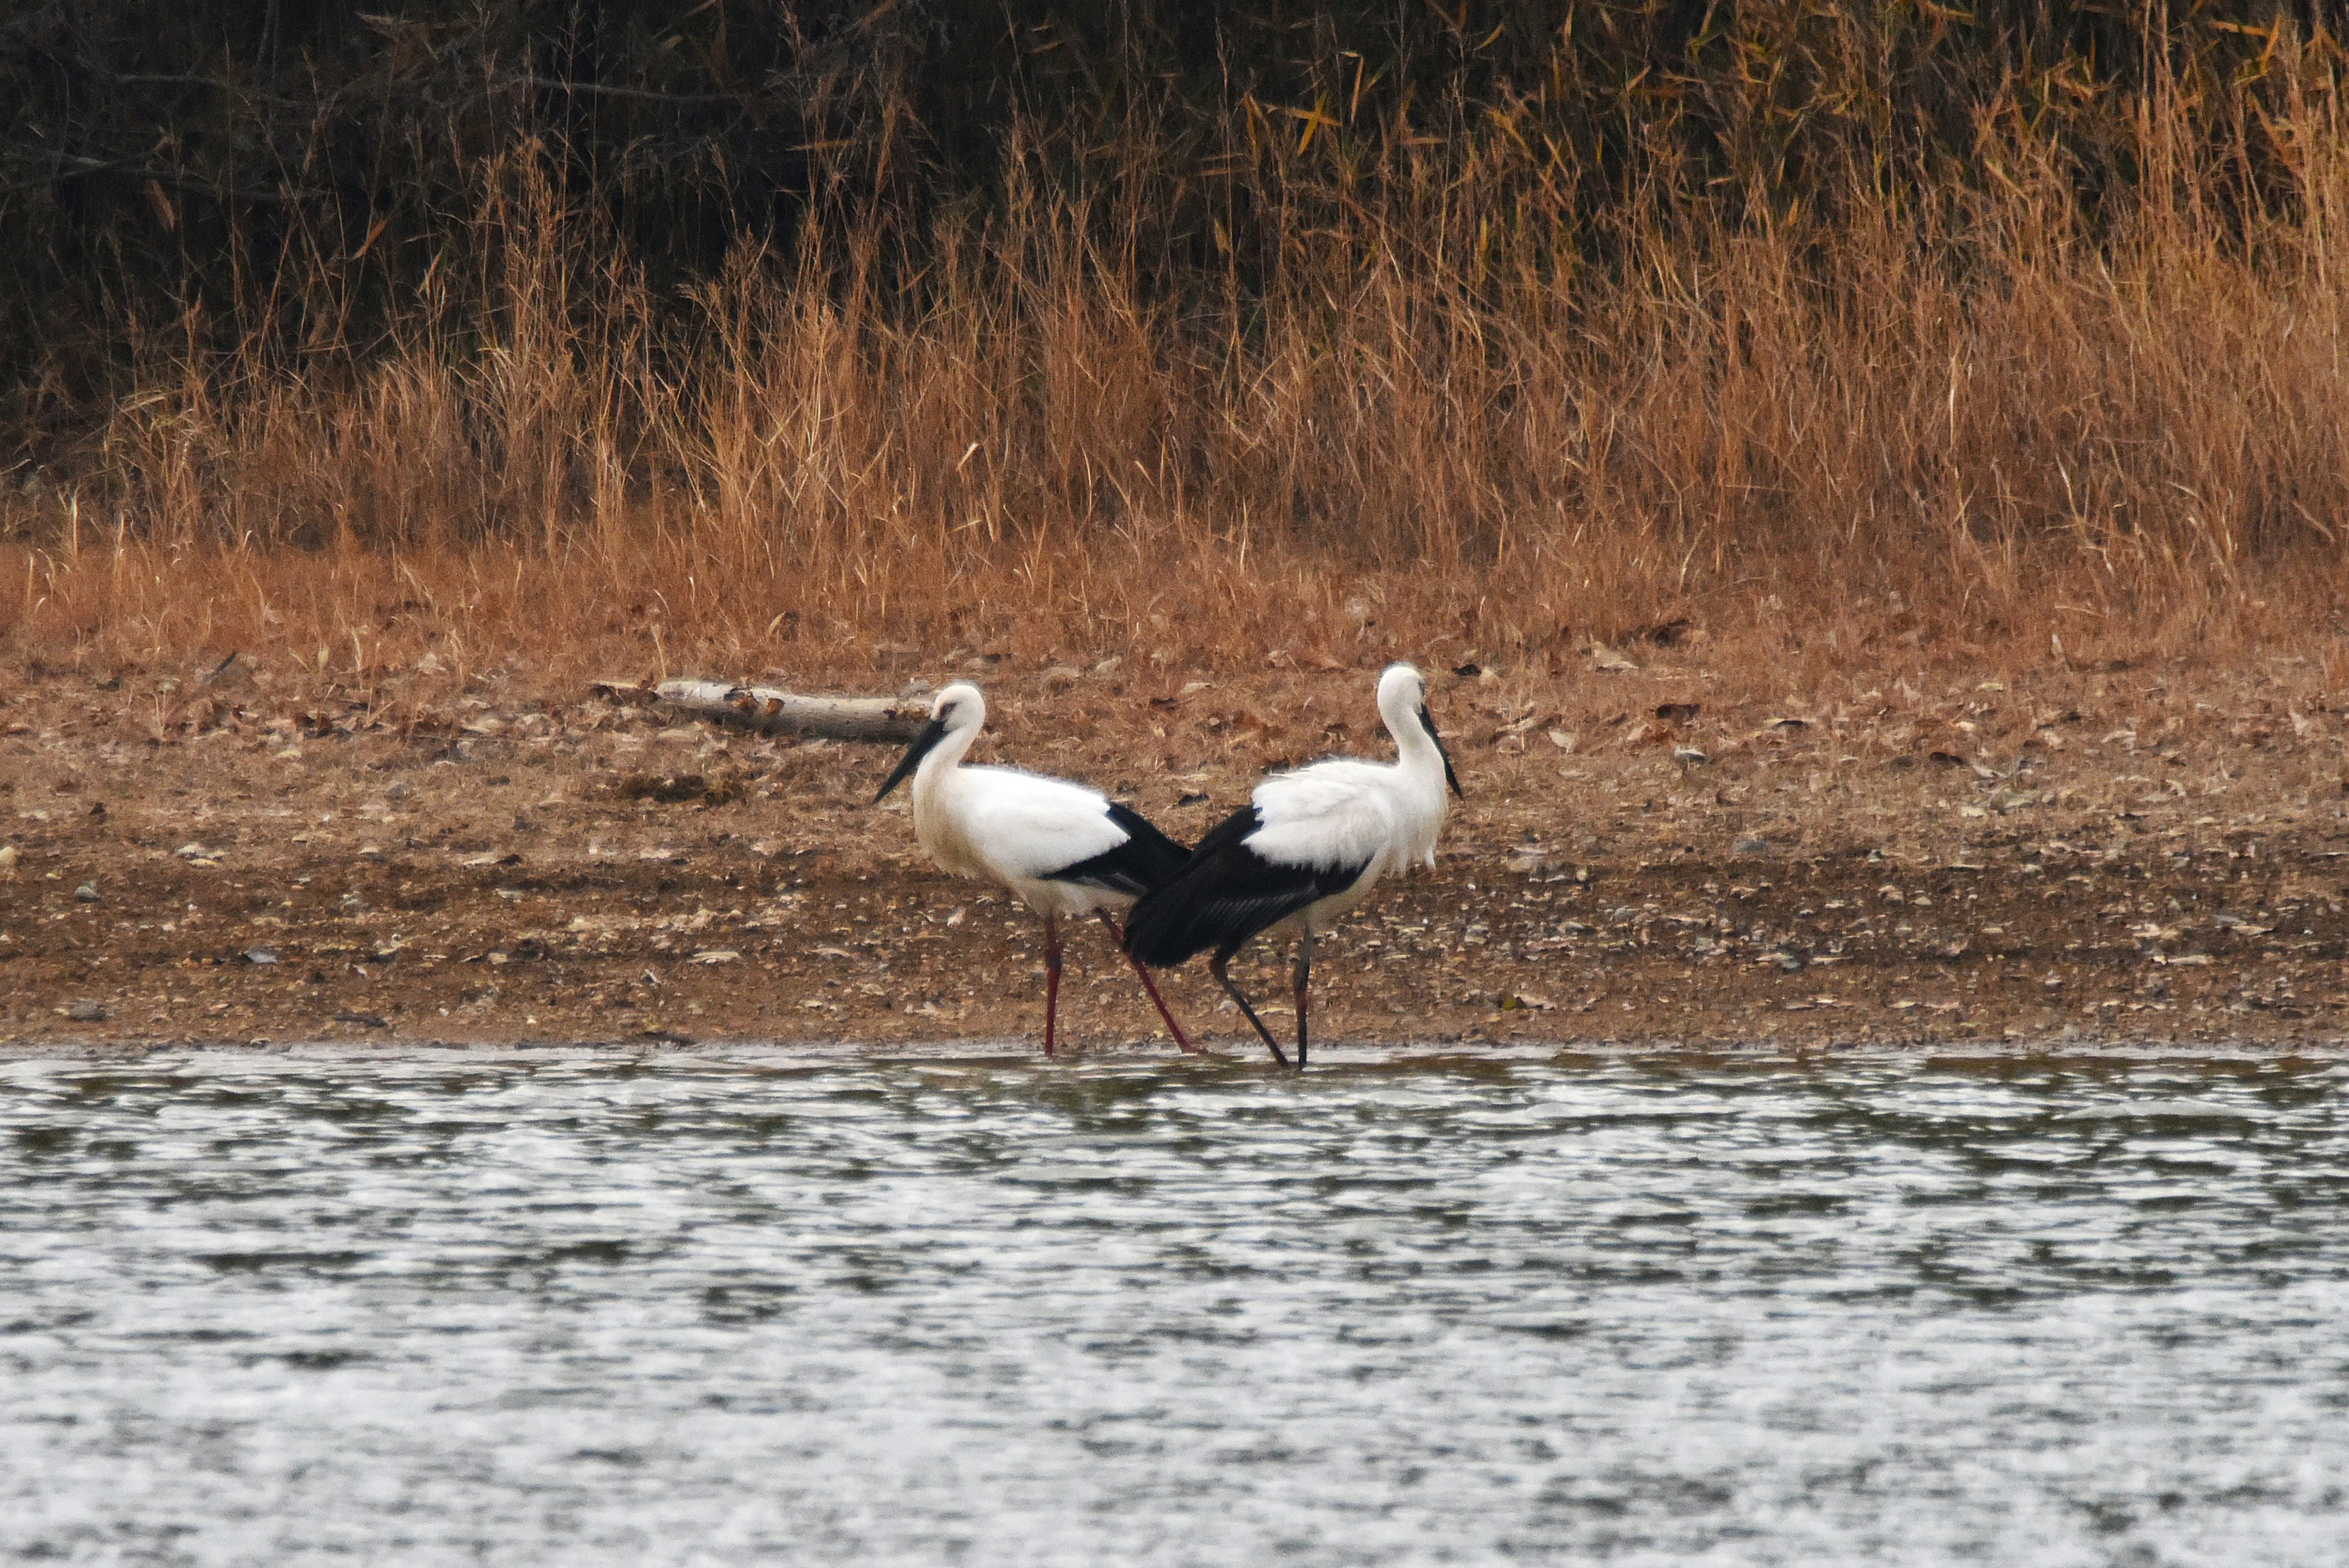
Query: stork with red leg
(1062,849)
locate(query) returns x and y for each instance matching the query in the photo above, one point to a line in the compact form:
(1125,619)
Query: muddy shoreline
(515,864)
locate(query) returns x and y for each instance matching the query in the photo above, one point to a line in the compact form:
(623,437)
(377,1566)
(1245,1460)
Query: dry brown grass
(1977,424)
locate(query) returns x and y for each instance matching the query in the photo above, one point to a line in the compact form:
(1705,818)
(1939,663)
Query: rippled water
(586,1309)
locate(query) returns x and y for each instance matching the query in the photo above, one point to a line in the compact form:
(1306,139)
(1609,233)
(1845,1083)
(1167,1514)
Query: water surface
(587,1309)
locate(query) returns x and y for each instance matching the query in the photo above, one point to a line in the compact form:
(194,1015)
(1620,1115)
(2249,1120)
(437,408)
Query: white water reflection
(700,1310)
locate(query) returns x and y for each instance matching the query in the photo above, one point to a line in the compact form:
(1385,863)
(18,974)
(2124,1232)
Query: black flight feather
(1225,895)
(1146,858)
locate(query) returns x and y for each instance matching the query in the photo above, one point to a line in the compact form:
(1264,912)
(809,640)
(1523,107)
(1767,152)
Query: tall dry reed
(1953,406)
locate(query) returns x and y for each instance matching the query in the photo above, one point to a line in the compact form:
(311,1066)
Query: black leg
(1304,973)
(1051,978)
(1217,966)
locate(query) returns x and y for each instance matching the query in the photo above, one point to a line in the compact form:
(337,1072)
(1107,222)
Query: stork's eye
(947,711)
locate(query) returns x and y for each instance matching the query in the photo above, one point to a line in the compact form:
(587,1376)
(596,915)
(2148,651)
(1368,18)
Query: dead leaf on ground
(1606,659)
(621,690)
(674,789)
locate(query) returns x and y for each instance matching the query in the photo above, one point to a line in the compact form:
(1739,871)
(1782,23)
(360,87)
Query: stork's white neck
(938,766)
(1415,751)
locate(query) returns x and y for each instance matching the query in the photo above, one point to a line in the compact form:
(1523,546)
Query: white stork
(1314,842)
(1065,850)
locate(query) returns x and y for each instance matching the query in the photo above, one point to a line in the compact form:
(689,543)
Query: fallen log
(771,711)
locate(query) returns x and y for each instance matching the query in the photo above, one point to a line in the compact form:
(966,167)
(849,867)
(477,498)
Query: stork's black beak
(930,735)
(1449,776)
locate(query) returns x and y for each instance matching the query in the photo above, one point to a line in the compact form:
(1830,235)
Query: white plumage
(1311,845)
(1018,828)
(1065,850)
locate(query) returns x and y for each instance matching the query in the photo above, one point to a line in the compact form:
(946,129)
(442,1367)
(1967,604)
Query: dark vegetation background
(202,173)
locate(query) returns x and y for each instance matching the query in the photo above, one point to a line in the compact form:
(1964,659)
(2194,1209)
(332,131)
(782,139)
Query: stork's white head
(959,708)
(1402,703)
(957,711)
(1401,690)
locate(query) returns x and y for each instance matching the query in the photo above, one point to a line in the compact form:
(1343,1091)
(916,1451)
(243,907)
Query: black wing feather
(1225,895)
(1145,859)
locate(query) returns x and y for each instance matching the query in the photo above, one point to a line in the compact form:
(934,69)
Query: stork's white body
(1012,827)
(1382,816)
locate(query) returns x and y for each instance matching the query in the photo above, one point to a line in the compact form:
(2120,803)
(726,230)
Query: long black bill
(931,734)
(1449,776)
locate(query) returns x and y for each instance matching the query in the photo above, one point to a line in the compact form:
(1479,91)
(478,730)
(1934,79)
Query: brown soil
(2117,855)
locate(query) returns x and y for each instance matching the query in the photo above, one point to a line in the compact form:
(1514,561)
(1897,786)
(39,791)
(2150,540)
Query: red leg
(1051,978)
(1147,983)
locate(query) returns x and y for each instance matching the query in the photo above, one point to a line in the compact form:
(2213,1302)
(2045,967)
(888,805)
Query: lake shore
(1645,855)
